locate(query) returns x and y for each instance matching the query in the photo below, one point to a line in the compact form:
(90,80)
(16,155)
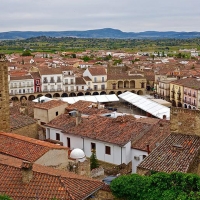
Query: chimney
(27,173)
(78,118)
(148,150)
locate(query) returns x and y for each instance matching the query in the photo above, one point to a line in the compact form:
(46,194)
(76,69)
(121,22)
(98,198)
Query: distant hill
(99,33)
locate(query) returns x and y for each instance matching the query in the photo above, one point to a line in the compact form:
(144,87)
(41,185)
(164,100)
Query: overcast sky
(126,15)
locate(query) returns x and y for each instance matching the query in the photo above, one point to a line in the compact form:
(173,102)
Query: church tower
(4,95)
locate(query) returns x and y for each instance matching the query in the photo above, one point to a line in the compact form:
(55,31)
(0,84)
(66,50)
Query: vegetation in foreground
(162,186)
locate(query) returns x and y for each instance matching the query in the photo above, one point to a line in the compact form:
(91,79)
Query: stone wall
(29,131)
(103,195)
(185,121)
(4,96)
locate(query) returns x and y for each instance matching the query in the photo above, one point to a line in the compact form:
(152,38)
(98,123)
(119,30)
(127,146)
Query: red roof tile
(24,147)
(50,104)
(176,153)
(46,183)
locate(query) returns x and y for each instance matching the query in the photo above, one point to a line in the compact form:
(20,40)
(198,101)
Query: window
(58,136)
(103,87)
(82,87)
(142,85)
(95,87)
(107,150)
(93,146)
(95,79)
(56,113)
(102,79)
(72,81)
(68,142)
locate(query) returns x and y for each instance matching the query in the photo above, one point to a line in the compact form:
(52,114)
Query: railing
(194,95)
(189,93)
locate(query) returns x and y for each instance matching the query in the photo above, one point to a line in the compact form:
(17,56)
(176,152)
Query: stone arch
(87,93)
(103,92)
(72,94)
(189,107)
(120,84)
(119,92)
(179,104)
(64,95)
(173,103)
(133,91)
(23,97)
(185,105)
(126,84)
(194,108)
(31,97)
(111,92)
(140,92)
(132,84)
(15,99)
(48,95)
(56,95)
(39,95)
(80,94)
(95,93)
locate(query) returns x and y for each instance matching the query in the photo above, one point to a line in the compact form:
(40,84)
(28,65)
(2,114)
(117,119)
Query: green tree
(26,53)
(93,161)
(162,186)
(86,58)
(4,197)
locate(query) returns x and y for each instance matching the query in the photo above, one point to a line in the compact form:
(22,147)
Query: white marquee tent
(92,98)
(145,104)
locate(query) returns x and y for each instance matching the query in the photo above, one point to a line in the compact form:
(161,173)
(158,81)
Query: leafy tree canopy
(4,197)
(162,186)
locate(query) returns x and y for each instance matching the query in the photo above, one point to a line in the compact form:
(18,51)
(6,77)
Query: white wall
(135,162)
(85,144)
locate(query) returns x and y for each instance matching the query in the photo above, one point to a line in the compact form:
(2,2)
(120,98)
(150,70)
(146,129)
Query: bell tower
(4,95)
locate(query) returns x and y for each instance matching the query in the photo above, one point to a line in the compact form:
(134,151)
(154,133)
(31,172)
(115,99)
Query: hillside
(99,33)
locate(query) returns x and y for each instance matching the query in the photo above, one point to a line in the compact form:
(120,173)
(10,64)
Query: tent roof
(147,105)
(92,98)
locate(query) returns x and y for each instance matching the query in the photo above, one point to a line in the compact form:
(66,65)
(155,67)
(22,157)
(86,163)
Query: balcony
(59,81)
(189,93)
(194,95)
(185,92)
(45,81)
(52,81)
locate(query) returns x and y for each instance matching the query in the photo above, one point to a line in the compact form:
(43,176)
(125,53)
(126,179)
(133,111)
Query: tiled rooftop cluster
(46,182)
(24,148)
(49,104)
(176,153)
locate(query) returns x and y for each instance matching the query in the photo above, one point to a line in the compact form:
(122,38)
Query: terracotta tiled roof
(159,131)
(86,78)
(118,130)
(80,81)
(25,148)
(175,153)
(21,77)
(97,71)
(188,82)
(79,105)
(15,109)
(50,70)
(123,76)
(19,121)
(35,75)
(46,183)
(50,104)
